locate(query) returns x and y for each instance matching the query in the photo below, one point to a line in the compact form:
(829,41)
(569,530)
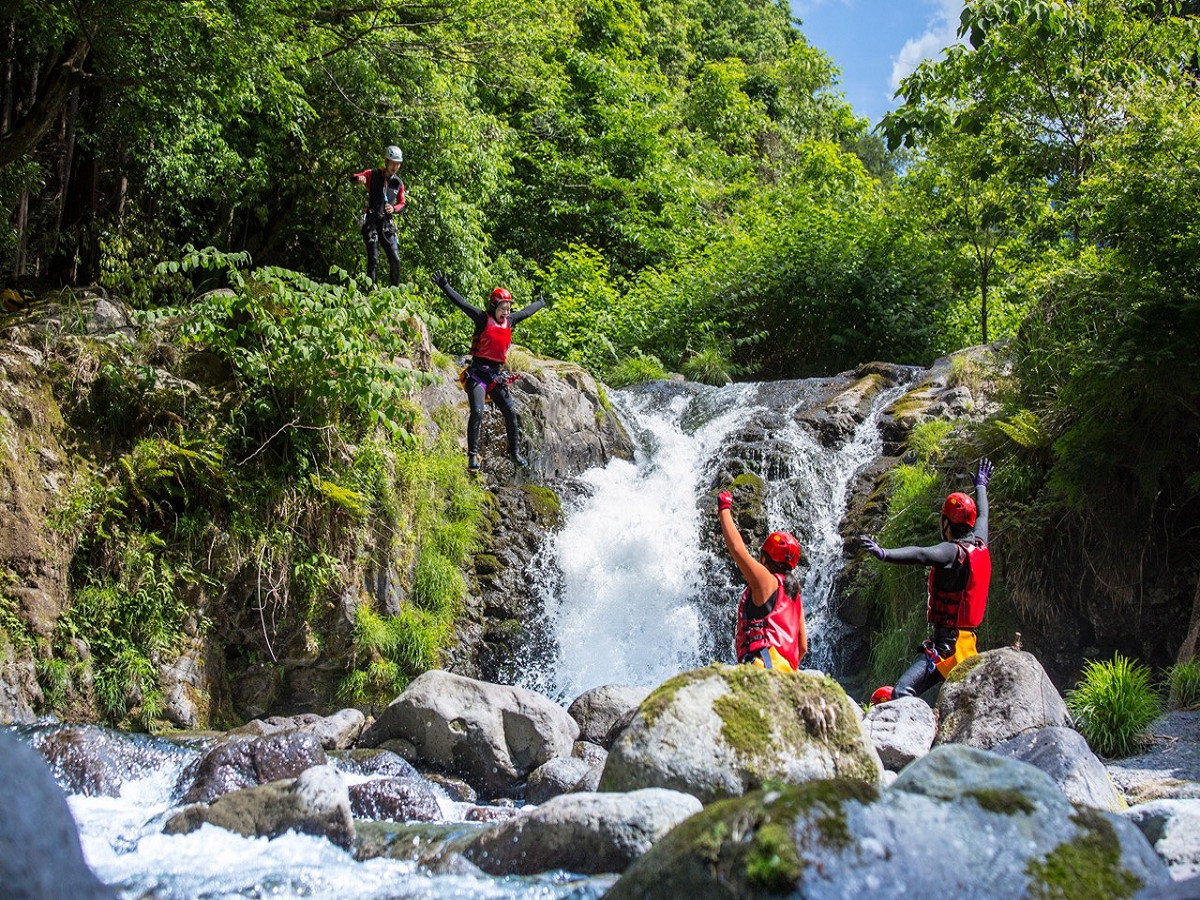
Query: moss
(664,695)
(1005,802)
(544,505)
(807,708)
(1087,866)
(963,669)
(772,863)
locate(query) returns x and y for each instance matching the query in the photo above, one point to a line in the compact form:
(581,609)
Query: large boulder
(598,709)
(317,802)
(1065,756)
(490,734)
(724,730)
(585,833)
(40,854)
(996,696)
(901,730)
(959,821)
(246,762)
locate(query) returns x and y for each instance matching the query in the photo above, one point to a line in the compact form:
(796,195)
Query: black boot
(518,460)
(472,462)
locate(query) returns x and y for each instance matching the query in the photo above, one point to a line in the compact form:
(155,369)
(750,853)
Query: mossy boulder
(921,837)
(724,730)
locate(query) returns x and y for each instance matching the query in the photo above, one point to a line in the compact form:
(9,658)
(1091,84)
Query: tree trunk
(1187,650)
(22,139)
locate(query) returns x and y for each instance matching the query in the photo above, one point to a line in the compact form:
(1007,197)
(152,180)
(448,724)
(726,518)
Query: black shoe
(472,462)
(518,460)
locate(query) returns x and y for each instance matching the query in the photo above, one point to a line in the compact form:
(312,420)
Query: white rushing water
(632,595)
(124,844)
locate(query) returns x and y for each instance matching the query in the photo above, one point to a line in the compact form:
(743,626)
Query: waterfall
(636,585)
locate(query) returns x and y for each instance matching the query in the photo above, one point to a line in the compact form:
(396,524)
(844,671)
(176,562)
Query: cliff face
(235,654)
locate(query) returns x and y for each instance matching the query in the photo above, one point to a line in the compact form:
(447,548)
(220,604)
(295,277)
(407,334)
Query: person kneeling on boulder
(960,571)
(770,621)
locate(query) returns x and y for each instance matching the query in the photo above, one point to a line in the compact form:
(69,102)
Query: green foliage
(708,366)
(1183,683)
(1113,704)
(636,369)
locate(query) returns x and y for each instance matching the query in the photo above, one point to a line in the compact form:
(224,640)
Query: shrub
(708,366)
(1183,680)
(635,370)
(1113,704)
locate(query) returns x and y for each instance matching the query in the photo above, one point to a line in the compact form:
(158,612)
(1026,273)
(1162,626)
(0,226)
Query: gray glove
(872,547)
(984,475)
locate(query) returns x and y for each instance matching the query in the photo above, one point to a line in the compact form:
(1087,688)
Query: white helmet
(394,154)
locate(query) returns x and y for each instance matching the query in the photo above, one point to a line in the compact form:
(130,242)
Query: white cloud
(940,33)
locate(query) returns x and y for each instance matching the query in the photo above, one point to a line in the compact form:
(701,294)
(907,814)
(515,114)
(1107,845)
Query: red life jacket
(493,341)
(779,628)
(963,608)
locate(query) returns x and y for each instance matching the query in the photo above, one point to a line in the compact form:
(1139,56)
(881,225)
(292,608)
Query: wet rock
(554,777)
(456,789)
(996,696)
(375,761)
(245,762)
(586,833)
(724,730)
(40,854)
(396,800)
(338,731)
(1065,756)
(491,814)
(492,735)
(596,710)
(850,839)
(317,802)
(901,730)
(95,761)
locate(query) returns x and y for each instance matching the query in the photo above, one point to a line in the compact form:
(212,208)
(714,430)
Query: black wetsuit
(482,373)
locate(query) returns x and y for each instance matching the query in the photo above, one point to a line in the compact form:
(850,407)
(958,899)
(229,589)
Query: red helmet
(882,695)
(783,548)
(960,509)
(501,295)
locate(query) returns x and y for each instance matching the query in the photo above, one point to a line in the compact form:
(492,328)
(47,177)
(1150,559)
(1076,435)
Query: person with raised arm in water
(960,572)
(770,620)
(483,378)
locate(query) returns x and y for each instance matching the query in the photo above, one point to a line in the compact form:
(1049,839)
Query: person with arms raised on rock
(483,377)
(960,572)
(770,622)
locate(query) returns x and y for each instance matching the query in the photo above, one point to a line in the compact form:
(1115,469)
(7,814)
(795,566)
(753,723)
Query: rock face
(586,833)
(901,730)
(317,802)
(724,730)
(996,696)
(492,735)
(1065,756)
(847,839)
(40,855)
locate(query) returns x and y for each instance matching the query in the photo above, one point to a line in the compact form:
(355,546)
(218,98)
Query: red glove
(724,500)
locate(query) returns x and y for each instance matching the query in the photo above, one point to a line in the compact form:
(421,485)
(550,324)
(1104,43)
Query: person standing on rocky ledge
(960,572)
(770,622)
(483,379)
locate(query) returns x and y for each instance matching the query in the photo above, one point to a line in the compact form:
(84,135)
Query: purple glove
(872,547)
(724,500)
(984,475)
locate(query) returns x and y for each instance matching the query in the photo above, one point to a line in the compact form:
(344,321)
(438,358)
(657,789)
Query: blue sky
(875,43)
